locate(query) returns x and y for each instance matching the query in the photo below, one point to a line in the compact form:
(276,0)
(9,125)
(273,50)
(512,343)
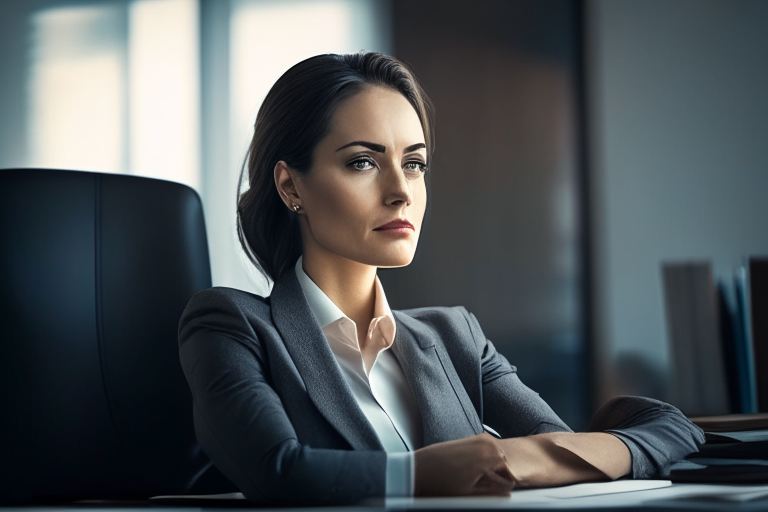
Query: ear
(285,181)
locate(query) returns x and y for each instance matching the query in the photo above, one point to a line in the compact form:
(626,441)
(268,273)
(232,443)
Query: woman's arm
(508,406)
(654,433)
(240,421)
(561,458)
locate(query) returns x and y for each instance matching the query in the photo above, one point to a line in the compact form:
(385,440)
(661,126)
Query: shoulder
(228,298)
(225,309)
(451,324)
(433,315)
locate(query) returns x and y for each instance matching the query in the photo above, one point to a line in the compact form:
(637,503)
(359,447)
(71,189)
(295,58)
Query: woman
(320,392)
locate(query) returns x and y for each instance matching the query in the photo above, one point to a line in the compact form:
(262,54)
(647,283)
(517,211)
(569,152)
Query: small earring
(295,208)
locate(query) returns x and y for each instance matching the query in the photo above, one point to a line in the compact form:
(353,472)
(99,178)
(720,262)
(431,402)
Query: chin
(395,262)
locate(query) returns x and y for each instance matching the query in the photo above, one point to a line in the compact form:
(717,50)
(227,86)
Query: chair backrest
(95,270)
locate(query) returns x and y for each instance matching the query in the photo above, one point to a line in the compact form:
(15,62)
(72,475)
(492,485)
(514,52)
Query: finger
(497,480)
(490,491)
(486,487)
(504,471)
(502,468)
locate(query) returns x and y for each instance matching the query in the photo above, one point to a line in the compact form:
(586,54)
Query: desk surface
(620,495)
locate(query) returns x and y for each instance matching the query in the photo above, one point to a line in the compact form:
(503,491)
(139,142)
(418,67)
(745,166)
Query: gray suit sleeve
(656,434)
(240,421)
(509,406)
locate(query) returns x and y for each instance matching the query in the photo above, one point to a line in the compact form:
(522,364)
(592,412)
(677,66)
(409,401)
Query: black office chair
(95,270)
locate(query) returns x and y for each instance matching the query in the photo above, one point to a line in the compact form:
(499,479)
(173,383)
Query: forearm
(294,473)
(561,458)
(321,476)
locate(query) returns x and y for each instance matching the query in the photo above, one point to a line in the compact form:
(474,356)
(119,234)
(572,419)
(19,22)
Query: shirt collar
(326,312)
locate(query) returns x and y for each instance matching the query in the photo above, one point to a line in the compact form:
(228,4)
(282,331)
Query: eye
(361,164)
(415,167)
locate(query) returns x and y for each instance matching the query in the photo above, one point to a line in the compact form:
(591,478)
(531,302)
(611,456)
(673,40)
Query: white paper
(226,496)
(540,498)
(596,489)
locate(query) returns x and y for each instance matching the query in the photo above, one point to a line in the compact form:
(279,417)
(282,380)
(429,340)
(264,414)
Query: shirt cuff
(400,474)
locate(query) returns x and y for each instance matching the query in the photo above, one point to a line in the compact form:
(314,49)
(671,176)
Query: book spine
(730,347)
(745,332)
(758,296)
(685,379)
(742,361)
(694,336)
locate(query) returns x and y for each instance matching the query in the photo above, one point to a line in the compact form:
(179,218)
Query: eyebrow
(414,147)
(370,145)
(378,148)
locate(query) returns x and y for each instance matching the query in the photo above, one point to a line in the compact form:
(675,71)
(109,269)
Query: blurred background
(579,145)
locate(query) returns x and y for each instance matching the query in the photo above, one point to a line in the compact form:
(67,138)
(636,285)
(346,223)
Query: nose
(397,186)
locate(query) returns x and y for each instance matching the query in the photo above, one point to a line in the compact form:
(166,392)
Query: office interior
(580,144)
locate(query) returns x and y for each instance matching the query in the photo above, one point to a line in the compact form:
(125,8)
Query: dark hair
(293,118)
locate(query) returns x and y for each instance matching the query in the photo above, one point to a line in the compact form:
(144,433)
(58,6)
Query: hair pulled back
(293,118)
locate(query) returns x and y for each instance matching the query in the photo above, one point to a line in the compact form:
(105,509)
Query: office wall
(13,67)
(679,118)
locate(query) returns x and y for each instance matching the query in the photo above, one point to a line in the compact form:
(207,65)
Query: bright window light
(116,88)
(164,91)
(76,117)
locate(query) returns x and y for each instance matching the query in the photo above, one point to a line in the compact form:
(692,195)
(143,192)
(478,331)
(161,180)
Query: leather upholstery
(95,270)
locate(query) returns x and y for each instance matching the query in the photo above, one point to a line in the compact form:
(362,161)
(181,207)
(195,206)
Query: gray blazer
(275,414)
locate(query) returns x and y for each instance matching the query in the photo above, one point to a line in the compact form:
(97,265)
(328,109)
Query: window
(123,86)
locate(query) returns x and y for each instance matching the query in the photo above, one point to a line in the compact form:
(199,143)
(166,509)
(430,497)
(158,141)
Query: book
(735,451)
(751,331)
(734,357)
(743,341)
(725,462)
(689,472)
(732,422)
(758,317)
(693,327)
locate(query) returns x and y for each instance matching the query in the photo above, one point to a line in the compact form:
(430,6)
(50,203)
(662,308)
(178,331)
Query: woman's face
(367,172)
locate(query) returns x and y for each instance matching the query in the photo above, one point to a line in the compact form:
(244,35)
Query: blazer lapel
(307,346)
(435,385)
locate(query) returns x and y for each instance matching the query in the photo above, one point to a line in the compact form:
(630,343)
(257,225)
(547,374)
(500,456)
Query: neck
(349,284)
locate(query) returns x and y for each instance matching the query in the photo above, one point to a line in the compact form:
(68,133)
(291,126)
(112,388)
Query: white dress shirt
(381,391)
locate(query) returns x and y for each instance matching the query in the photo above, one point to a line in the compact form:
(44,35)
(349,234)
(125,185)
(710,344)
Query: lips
(395,224)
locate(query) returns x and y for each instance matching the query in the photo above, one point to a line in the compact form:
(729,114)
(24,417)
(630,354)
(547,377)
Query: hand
(471,466)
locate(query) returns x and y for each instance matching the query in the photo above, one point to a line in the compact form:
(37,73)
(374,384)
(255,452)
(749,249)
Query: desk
(656,495)
(622,494)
